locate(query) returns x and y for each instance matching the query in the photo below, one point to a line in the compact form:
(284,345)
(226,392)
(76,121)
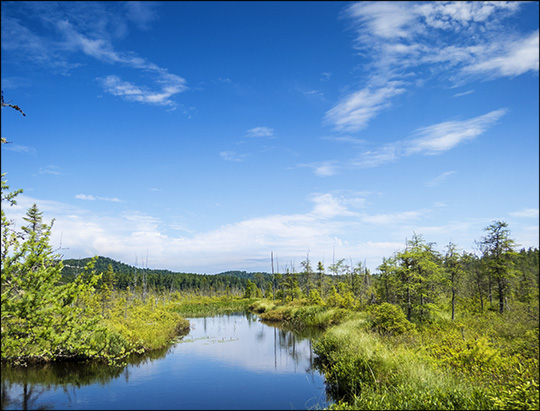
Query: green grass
(363,373)
(483,361)
(301,313)
(209,306)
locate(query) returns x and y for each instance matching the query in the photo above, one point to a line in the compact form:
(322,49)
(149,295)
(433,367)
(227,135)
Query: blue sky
(202,136)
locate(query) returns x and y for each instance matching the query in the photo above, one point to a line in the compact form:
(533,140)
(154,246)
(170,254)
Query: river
(225,362)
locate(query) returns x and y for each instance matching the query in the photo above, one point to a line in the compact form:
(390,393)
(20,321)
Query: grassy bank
(376,359)
(203,306)
(300,313)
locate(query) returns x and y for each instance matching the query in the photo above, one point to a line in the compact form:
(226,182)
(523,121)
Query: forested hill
(73,266)
(244,274)
(160,278)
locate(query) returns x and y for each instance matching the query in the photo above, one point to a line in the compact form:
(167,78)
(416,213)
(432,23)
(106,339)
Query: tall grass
(300,313)
(209,306)
(362,373)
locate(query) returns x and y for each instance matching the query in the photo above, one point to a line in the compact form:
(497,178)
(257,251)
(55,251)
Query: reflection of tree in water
(34,380)
(25,400)
(289,339)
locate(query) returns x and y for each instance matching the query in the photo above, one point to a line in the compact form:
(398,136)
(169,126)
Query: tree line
(421,279)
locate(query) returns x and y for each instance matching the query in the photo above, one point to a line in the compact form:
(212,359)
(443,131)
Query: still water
(225,362)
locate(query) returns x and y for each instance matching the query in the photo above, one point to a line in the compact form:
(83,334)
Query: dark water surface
(226,362)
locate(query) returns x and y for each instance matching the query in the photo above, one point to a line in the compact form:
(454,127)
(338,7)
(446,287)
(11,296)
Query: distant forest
(161,280)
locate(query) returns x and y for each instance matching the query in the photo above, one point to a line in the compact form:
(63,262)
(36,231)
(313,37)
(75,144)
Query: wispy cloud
(345,139)
(465,93)
(142,13)
(260,132)
(115,86)
(430,140)
(392,218)
(445,136)
(408,43)
(325,76)
(527,213)
(434,182)
(91,29)
(516,57)
(233,156)
(20,149)
(94,198)
(355,110)
(322,169)
(52,170)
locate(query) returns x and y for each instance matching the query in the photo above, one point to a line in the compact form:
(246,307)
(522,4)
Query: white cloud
(325,76)
(51,169)
(324,169)
(247,244)
(232,156)
(260,132)
(430,140)
(449,39)
(518,57)
(388,20)
(465,93)
(91,28)
(20,149)
(439,179)
(392,218)
(93,198)
(115,86)
(328,206)
(445,136)
(354,111)
(374,158)
(527,213)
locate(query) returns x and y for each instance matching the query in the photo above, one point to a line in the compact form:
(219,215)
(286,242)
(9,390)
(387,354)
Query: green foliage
(315,297)
(41,319)
(389,319)
(362,373)
(252,290)
(190,305)
(299,314)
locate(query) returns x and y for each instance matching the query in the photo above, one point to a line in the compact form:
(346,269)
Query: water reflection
(225,362)
(22,386)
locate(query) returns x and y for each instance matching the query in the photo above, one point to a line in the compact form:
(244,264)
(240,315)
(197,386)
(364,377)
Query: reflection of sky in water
(248,344)
(226,362)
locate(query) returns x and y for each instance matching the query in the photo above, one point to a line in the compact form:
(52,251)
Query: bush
(388,319)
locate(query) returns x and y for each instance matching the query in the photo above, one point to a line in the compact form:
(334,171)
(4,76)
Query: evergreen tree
(34,219)
(499,252)
(454,271)
(41,319)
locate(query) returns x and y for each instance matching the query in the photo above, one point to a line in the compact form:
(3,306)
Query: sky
(205,136)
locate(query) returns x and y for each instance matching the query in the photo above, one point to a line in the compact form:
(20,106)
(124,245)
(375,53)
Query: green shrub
(388,319)
(362,373)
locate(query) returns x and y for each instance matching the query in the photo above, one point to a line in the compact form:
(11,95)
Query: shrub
(388,319)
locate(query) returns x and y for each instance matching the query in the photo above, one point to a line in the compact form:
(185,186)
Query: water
(226,362)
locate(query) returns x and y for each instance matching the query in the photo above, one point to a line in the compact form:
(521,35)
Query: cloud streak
(94,198)
(408,43)
(260,132)
(445,136)
(91,30)
(431,140)
(354,111)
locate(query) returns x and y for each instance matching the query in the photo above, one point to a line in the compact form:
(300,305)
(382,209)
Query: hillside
(160,278)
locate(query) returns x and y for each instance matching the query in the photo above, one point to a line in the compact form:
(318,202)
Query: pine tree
(499,252)
(454,271)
